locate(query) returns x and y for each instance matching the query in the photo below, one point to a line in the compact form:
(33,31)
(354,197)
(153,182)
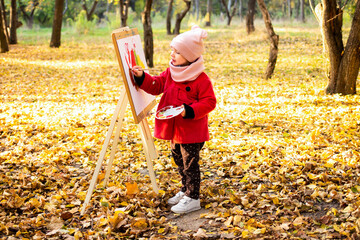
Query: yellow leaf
(245,166)
(244,179)
(35,202)
(260,231)
(348,209)
(245,234)
(330,163)
(103,222)
(78,235)
(228,222)
(298,221)
(139,223)
(81,195)
(275,200)
(237,220)
(334,211)
(312,176)
(131,188)
(57,197)
(114,220)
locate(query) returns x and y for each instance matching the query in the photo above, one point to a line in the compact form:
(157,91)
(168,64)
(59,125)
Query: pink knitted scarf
(187,73)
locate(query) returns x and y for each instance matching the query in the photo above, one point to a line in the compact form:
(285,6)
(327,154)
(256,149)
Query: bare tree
(250,27)
(148,34)
(56,28)
(29,17)
(180,17)
(229,14)
(124,9)
(90,12)
(344,61)
(274,39)
(168,17)
(3,39)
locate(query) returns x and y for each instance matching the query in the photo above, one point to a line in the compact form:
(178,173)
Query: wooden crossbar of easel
(148,144)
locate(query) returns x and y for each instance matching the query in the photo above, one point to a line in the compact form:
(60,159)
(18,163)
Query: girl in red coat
(183,83)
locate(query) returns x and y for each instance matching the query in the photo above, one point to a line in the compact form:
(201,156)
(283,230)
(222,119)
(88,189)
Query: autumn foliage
(283,161)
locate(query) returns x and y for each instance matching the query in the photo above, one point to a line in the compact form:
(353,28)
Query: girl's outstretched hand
(137,71)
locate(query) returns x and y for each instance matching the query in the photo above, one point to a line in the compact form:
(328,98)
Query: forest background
(283,160)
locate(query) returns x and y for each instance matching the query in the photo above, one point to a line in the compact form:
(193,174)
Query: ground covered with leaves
(283,161)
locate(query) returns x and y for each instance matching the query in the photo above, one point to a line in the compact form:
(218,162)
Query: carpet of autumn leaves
(283,161)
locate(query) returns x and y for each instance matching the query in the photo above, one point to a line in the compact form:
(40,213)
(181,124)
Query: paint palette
(169,112)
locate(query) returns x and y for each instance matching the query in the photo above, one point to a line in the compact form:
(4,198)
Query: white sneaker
(176,199)
(186,205)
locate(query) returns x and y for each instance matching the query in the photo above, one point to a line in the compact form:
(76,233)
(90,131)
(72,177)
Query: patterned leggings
(186,157)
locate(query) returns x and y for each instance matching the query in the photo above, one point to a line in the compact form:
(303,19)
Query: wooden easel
(148,144)
(140,119)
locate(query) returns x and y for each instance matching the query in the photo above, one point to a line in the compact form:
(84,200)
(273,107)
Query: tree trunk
(56,29)
(148,34)
(124,9)
(284,8)
(92,10)
(240,9)
(107,10)
(168,17)
(180,17)
(13,23)
(4,21)
(274,40)
(289,8)
(250,17)
(302,13)
(229,4)
(208,15)
(344,63)
(3,40)
(197,9)
(333,38)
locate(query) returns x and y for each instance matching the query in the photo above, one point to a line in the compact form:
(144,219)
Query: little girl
(183,83)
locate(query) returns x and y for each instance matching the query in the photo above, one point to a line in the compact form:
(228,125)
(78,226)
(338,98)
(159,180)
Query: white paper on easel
(132,54)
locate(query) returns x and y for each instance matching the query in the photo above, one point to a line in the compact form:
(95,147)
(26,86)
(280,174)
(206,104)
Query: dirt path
(190,221)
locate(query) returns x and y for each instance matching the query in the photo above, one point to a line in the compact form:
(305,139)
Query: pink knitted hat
(190,44)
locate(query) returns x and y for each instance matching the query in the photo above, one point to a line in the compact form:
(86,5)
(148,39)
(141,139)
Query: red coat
(198,94)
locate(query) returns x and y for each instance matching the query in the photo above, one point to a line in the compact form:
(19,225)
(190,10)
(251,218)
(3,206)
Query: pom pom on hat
(190,44)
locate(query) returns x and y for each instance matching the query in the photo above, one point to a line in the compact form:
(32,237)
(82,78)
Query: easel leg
(150,151)
(116,138)
(103,150)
